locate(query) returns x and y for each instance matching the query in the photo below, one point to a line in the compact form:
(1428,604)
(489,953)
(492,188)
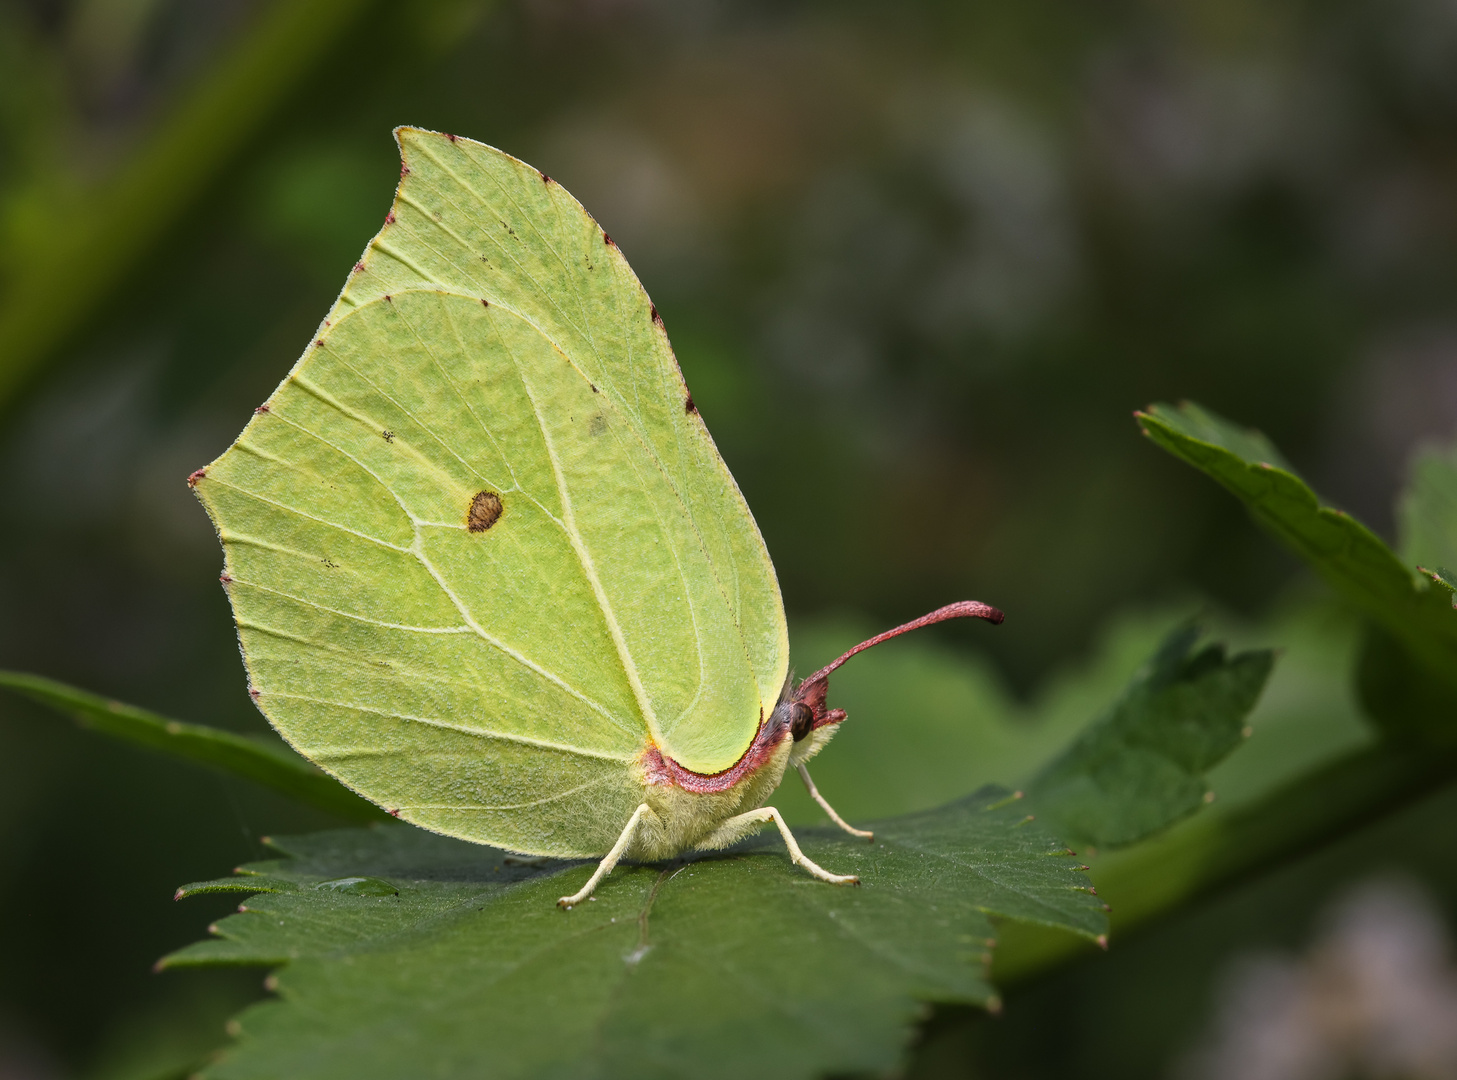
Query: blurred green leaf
(1354,560)
(1446,579)
(1141,766)
(1405,698)
(1399,692)
(265,761)
(1228,845)
(729,965)
(70,253)
(1427,512)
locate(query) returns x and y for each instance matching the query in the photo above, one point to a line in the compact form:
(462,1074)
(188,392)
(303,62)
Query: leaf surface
(1402,694)
(1413,607)
(1142,766)
(729,965)
(1427,517)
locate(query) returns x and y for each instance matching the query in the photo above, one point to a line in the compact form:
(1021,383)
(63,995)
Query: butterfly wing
(482,552)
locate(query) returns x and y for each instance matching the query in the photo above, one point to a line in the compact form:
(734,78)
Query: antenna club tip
(958,610)
(966,609)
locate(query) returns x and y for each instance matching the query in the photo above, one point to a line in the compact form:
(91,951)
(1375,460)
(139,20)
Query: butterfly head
(803,711)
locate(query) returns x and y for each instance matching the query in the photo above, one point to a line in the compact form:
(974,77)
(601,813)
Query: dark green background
(919,260)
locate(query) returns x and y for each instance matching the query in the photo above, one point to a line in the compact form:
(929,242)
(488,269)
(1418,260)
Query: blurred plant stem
(264,760)
(75,259)
(1219,849)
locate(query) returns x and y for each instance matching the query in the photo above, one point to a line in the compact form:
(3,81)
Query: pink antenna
(962,609)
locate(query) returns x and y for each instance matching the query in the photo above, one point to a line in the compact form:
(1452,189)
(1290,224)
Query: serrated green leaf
(1427,511)
(1446,579)
(728,965)
(263,760)
(1405,603)
(1205,854)
(1199,424)
(1402,694)
(1142,766)
(1427,517)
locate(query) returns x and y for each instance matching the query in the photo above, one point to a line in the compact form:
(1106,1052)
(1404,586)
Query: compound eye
(801,720)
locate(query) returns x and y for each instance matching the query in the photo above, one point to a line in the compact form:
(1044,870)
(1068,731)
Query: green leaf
(1203,855)
(1396,689)
(262,760)
(1446,579)
(1427,511)
(1427,517)
(728,965)
(1414,608)
(1142,766)
(1405,698)
(87,237)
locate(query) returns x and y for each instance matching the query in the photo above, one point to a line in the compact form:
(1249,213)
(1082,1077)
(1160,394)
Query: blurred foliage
(918,260)
(1409,669)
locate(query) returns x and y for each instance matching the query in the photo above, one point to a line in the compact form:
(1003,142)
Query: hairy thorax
(683,819)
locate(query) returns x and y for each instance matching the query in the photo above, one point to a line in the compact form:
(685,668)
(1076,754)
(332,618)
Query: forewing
(495,675)
(475,221)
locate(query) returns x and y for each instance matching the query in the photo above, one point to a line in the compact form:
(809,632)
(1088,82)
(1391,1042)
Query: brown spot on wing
(688,406)
(485,511)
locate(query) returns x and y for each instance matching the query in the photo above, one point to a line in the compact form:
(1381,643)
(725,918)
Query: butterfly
(487,566)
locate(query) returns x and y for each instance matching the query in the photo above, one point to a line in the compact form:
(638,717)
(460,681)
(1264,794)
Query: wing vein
(445,725)
(584,557)
(308,517)
(500,246)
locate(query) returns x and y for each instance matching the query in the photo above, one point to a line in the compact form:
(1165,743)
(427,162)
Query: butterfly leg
(814,793)
(608,861)
(738,826)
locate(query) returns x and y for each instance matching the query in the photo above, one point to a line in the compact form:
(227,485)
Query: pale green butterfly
(487,565)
